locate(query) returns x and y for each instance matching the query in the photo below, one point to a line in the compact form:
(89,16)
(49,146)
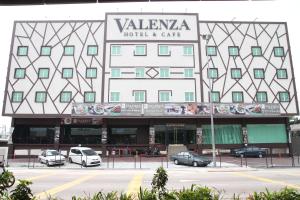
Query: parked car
(51,157)
(248,152)
(190,158)
(84,156)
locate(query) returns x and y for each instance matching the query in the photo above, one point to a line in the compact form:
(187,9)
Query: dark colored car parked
(190,158)
(249,152)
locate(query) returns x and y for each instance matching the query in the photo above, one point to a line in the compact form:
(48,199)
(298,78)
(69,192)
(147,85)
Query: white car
(51,157)
(84,156)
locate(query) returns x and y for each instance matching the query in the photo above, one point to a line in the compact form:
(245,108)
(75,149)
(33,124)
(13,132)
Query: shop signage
(174,109)
(126,26)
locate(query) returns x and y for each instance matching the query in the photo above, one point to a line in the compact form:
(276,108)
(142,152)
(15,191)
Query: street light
(211,104)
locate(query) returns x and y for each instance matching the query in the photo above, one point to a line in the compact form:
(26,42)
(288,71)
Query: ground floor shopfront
(140,133)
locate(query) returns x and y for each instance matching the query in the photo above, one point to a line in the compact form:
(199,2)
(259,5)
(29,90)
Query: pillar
(56,137)
(199,136)
(104,135)
(245,135)
(151,135)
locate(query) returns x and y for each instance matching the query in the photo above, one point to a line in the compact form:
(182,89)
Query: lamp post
(211,104)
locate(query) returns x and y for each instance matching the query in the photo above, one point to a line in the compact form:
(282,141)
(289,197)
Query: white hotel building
(139,79)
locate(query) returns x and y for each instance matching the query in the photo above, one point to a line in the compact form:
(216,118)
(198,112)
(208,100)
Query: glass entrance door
(176,135)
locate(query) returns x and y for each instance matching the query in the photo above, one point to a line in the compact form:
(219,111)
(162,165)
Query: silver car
(190,158)
(51,157)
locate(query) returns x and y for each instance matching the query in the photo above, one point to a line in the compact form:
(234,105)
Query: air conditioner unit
(68,120)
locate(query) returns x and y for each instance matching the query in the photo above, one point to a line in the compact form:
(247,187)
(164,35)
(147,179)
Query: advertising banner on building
(173,109)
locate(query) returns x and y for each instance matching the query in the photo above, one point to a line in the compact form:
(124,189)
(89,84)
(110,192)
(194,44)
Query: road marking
(267,180)
(57,189)
(135,184)
(40,176)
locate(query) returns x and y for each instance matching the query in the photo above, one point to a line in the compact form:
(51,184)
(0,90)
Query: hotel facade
(140,79)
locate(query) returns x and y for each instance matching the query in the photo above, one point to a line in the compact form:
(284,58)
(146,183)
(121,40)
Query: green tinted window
(278,51)
(164,73)
(67,73)
(139,96)
(92,50)
(237,97)
(115,73)
(261,97)
(89,97)
(164,96)
(236,73)
(188,50)
(19,73)
(164,50)
(140,50)
(45,51)
(281,73)
(233,51)
(284,97)
(91,73)
(189,96)
(114,96)
(256,51)
(188,73)
(215,97)
(22,51)
(115,50)
(17,97)
(65,97)
(140,72)
(212,73)
(40,97)
(259,73)
(69,50)
(43,73)
(211,50)
(267,133)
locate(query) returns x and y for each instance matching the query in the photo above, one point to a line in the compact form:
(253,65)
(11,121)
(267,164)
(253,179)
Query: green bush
(159,182)
(195,193)
(22,191)
(283,194)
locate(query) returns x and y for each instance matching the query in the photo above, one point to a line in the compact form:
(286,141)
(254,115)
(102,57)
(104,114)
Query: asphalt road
(64,183)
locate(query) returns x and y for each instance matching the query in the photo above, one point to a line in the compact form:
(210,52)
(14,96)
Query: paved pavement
(64,182)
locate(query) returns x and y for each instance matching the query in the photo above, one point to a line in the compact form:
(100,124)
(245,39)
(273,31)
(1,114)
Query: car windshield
(89,152)
(194,154)
(52,153)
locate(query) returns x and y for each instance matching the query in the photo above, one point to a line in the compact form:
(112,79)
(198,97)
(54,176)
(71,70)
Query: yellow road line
(267,180)
(135,184)
(63,187)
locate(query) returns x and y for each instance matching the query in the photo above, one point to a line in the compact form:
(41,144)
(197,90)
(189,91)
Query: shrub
(196,193)
(145,194)
(159,182)
(283,194)
(22,191)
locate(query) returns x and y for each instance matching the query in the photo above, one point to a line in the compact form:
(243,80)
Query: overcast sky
(279,10)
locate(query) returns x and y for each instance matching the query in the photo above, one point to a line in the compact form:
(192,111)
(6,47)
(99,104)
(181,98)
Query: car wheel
(70,160)
(260,155)
(47,163)
(195,164)
(84,164)
(176,162)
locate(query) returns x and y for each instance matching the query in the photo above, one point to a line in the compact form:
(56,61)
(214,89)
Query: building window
(212,73)
(163,50)
(92,50)
(43,73)
(89,97)
(22,51)
(188,50)
(67,73)
(211,50)
(91,73)
(189,97)
(164,73)
(261,97)
(17,97)
(139,96)
(256,51)
(40,97)
(284,97)
(236,73)
(237,97)
(65,97)
(69,50)
(259,73)
(114,96)
(233,51)
(140,50)
(164,96)
(115,73)
(115,50)
(281,74)
(19,73)
(188,73)
(215,96)
(140,72)
(278,51)
(45,51)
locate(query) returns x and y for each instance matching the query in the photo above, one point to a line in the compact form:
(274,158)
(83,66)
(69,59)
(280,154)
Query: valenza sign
(151,27)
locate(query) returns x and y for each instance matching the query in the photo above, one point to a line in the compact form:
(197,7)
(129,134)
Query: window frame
(91,92)
(136,74)
(188,69)
(41,51)
(159,51)
(91,68)
(24,73)
(278,47)
(110,96)
(134,95)
(238,50)
(286,77)
(92,46)
(140,45)
(17,92)
(160,72)
(261,92)
(62,74)
(39,71)
(36,95)
(164,91)
(256,47)
(18,50)
(185,95)
(214,92)
(61,95)
(210,46)
(236,69)
(185,48)
(237,92)
(284,92)
(259,69)
(112,74)
(111,50)
(69,46)
(208,73)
